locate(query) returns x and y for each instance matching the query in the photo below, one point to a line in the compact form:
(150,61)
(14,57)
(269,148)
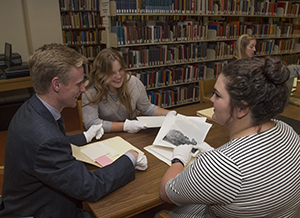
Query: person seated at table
(41,177)
(113,96)
(244,47)
(255,174)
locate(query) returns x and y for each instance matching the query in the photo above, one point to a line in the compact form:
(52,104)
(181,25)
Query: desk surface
(143,193)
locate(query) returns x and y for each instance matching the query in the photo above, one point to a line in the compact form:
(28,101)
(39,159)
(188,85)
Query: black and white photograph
(183,131)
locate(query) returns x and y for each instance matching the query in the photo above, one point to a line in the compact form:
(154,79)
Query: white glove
(171,114)
(94,130)
(133,126)
(183,153)
(202,147)
(141,162)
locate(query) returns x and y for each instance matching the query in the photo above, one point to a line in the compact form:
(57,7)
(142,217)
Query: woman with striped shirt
(255,174)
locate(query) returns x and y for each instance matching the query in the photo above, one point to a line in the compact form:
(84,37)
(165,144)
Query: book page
(182,130)
(177,131)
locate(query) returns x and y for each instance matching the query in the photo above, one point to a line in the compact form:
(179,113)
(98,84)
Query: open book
(102,153)
(177,131)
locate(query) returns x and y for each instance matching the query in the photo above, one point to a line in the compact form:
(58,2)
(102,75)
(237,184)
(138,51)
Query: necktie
(61,125)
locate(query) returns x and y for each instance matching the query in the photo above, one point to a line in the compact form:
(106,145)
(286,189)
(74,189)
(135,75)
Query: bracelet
(176,160)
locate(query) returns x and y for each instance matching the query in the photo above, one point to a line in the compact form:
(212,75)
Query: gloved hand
(203,147)
(171,114)
(141,162)
(183,153)
(133,126)
(94,130)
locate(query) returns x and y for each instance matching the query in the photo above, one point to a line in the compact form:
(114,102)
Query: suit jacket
(42,178)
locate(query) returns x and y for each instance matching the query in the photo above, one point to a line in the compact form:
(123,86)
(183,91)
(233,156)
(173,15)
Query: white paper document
(152,121)
(98,150)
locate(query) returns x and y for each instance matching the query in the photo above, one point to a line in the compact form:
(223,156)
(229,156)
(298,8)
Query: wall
(12,28)
(28,24)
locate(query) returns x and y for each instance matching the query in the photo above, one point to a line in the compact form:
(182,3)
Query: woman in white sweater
(113,96)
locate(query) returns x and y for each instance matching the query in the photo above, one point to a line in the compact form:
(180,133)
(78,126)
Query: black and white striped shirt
(253,176)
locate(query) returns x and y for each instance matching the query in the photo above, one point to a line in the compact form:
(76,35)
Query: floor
(72,123)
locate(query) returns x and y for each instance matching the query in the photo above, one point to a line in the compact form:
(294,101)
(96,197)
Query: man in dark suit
(41,177)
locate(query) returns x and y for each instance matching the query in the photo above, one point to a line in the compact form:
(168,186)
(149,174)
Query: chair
(206,89)
(79,110)
(164,215)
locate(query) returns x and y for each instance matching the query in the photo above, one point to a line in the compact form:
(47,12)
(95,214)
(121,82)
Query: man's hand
(133,126)
(94,131)
(141,160)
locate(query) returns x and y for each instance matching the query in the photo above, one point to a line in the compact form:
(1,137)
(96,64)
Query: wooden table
(16,83)
(143,193)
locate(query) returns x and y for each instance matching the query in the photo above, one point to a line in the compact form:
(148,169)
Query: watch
(176,160)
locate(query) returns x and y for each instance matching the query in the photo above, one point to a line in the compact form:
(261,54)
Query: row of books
(291,59)
(255,7)
(164,54)
(275,46)
(88,51)
(175,95)
(214,69)
(243,7)
(233,29)
(290,8)
(152,31)
(286,45)
(80,19)
(88,37)
(184,53)
(239,7)
(155,78)
(263,47)
(76,5)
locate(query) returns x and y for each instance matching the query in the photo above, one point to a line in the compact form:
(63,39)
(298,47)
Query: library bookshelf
(81,27)
(172,45)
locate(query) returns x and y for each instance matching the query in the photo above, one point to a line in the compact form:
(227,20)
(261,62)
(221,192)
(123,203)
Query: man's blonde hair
(53,60)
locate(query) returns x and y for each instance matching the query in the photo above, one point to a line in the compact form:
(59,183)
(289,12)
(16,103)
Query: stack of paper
(104,152)
(176,131)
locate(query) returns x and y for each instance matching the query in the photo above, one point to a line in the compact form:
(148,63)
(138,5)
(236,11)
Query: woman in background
(113,96)
(244,47)
(255,174)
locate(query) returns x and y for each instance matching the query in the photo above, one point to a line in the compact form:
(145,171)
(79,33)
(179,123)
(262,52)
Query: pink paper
(104,160)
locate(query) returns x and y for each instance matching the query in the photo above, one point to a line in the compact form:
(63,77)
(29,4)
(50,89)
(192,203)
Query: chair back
(164,215)
(206,89)
(79,110)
